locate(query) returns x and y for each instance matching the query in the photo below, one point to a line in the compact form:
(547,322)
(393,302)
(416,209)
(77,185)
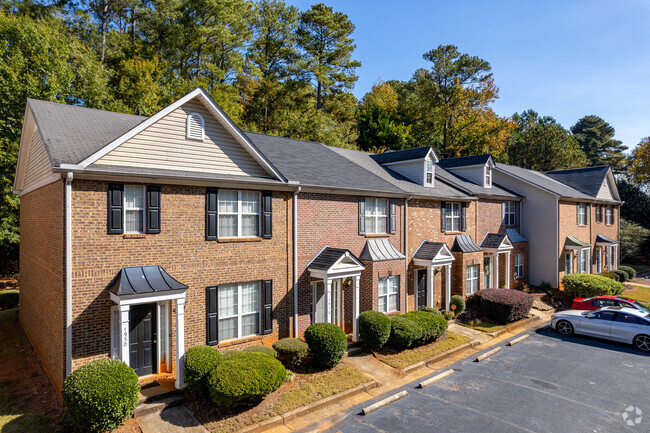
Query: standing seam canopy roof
(574,242)
(377,250)
(138,280)
(515,236)
(605,240)
(465,244)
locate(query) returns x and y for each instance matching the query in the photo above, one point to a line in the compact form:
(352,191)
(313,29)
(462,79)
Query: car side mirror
(591,316)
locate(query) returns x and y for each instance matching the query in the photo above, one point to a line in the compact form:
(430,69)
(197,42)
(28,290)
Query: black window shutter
(211,216)
(463,216)
(212,318)
(267,216)
(362,215)
(443,211)
(517,211)
(392,217)
(153,209)
(268,306)
(115,209)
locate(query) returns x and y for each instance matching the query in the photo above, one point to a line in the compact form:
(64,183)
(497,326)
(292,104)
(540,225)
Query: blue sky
(565,59)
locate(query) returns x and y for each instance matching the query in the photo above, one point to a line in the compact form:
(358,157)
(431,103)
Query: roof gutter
(295,261)
(68,273)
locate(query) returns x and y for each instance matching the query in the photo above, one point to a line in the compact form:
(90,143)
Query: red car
(606,301)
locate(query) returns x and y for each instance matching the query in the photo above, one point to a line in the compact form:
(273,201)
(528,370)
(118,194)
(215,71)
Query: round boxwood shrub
(245,378)
(587,285)
(503,305)
(101,395)
(610,275)
(432,310)
(631,273)
(622,275)
(229,353)
(8,299)
(404,333)
(261,349)
(459,302)
(374,329)
(327,344)
(199,363)
(291,351)
(433,325)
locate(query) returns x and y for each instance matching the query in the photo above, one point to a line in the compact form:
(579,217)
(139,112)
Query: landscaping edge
(435,358)
(518,324)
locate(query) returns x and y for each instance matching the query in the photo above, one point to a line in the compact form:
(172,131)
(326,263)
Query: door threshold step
(158,403)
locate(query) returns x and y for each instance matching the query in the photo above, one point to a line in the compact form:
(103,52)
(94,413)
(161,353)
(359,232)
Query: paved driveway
(548,383)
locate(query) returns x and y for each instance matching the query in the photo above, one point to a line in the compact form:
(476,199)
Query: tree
(637,203)
(324,36)
(377,129)
(632,238)
(596,139)
(639,169)
(540,143)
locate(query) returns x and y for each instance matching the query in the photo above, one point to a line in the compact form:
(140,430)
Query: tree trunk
(319,104)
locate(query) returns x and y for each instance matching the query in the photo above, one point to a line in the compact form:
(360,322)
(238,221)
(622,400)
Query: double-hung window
(607,254)
(599,213)
(472,278)
(389,294)
(582,214)
(239,214)
(599,267)
(452,217)
(429,172)
(134,207)
(609,215)
(568,263)
(519,265)
(488,176)
(509,213)
(376,215)
(584,261)
(239,310)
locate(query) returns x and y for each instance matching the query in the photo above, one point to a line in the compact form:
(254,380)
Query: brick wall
(490,219)
(42,276)
(608,230)
(459,271)
(181,249)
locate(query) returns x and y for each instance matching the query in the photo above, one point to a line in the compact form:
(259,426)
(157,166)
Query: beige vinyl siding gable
(605,191)
(38,163)
(164,145)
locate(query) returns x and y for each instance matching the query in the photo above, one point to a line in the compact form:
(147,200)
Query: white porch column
(355,308)
(124,333)
(430,288)
(180,342)
(508,270)
(328,300)
(495,282)
(447,286)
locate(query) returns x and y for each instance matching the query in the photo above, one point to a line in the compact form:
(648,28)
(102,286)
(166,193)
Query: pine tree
(596,139)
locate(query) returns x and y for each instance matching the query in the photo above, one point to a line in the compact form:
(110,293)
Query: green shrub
(229,353)
(433,325)
(245,378)
(623,276)
(586,286)
(374,329)
(432,310)
(631,273)
(199,363)
(503,305)
(610,275)
(291,351)
(459,302)
(261,349)
(327,344)
(101,395)
(8,299)
(404,333)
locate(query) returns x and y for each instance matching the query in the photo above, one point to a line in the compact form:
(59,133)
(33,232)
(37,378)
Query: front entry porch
(430,258)
(494,245)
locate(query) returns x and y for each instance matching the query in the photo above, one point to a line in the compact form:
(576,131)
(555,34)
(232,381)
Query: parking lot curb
(487,354)
(385,402)
(518,340)
(436,378)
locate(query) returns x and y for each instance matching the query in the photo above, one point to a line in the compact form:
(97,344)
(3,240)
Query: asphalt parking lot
(548,383)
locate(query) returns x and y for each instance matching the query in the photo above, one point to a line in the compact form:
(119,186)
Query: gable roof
(329,257)
(391,156)
(587,180)
(465,161)
(437,252)
(498,241)
(542,181)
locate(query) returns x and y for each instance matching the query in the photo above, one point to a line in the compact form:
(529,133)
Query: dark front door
(142,338)
(422,288)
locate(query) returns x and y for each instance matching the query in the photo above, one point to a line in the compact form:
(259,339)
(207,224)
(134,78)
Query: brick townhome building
(142,237)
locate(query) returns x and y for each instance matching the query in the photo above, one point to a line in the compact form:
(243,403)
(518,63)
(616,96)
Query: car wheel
(642,342)
(564,327)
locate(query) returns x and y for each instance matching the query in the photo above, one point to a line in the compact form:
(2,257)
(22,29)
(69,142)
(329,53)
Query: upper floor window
(195,128)
(134,208)
(429,173)
(609,215)
(599,213)
(452,217)
(582,214)
(239,214)
(488,176)
(509,213)
(376,215)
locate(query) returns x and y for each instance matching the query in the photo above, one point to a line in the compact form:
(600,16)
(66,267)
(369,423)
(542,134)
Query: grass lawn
(305,389)
(640,293)
(481,325)
(411,356)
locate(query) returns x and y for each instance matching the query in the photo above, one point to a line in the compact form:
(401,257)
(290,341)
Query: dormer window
(488,177)
(195,129)
(428,179)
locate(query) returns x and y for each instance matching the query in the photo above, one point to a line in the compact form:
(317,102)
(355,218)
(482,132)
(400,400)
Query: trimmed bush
(101,395)
(199,363)
(374,329)
(261,349)
(245,378)
(291,351)
(8,299)
(586,286)
(433,325)
(610,275)
(631,273)
(229,353)
(503,305)
(459,302)
(404,333)
(432,310)
(623,276)
(327,344)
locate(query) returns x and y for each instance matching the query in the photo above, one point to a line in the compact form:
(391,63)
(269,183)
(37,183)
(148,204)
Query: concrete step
(158,402)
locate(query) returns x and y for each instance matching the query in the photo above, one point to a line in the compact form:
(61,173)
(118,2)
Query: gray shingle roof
(587,180)
(143,280)
(457,180)
(542,181)
(465,244)
(402,155)
(464,161)
(493,240)
(328,257)
(428,250)
(378,250)
(71,133)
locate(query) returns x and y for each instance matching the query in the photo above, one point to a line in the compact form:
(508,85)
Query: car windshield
(641,307)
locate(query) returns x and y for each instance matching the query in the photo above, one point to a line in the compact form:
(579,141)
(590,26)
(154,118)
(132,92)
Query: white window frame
(568,255)
(519,265)
(371,213)
(239,214)
(599,262)
(609,215)
(187,126)
(429,169)
(392,283)
(142,209)
(472,277)
(449,218)
(115,333)
(509,213)
(487,176)
(239,314)
(582,214)
(585,255)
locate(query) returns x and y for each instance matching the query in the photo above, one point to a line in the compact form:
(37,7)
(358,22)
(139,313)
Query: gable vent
(195,126)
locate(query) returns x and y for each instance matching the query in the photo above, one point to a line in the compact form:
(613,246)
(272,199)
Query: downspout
(68,273)
(295,262)
(591,237)
(406,261)
(557,242)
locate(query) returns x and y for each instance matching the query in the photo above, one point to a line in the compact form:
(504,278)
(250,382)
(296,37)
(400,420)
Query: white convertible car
(626,325)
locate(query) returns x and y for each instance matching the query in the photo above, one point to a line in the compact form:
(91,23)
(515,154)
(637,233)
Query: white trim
(48,180)
(239,315)
(487,169)
(143,209)
(190,116)
(504,246)
(27,133)
(389,293)
(240,213)
(147,298)
(216,111)
(68,274)
(470,278)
